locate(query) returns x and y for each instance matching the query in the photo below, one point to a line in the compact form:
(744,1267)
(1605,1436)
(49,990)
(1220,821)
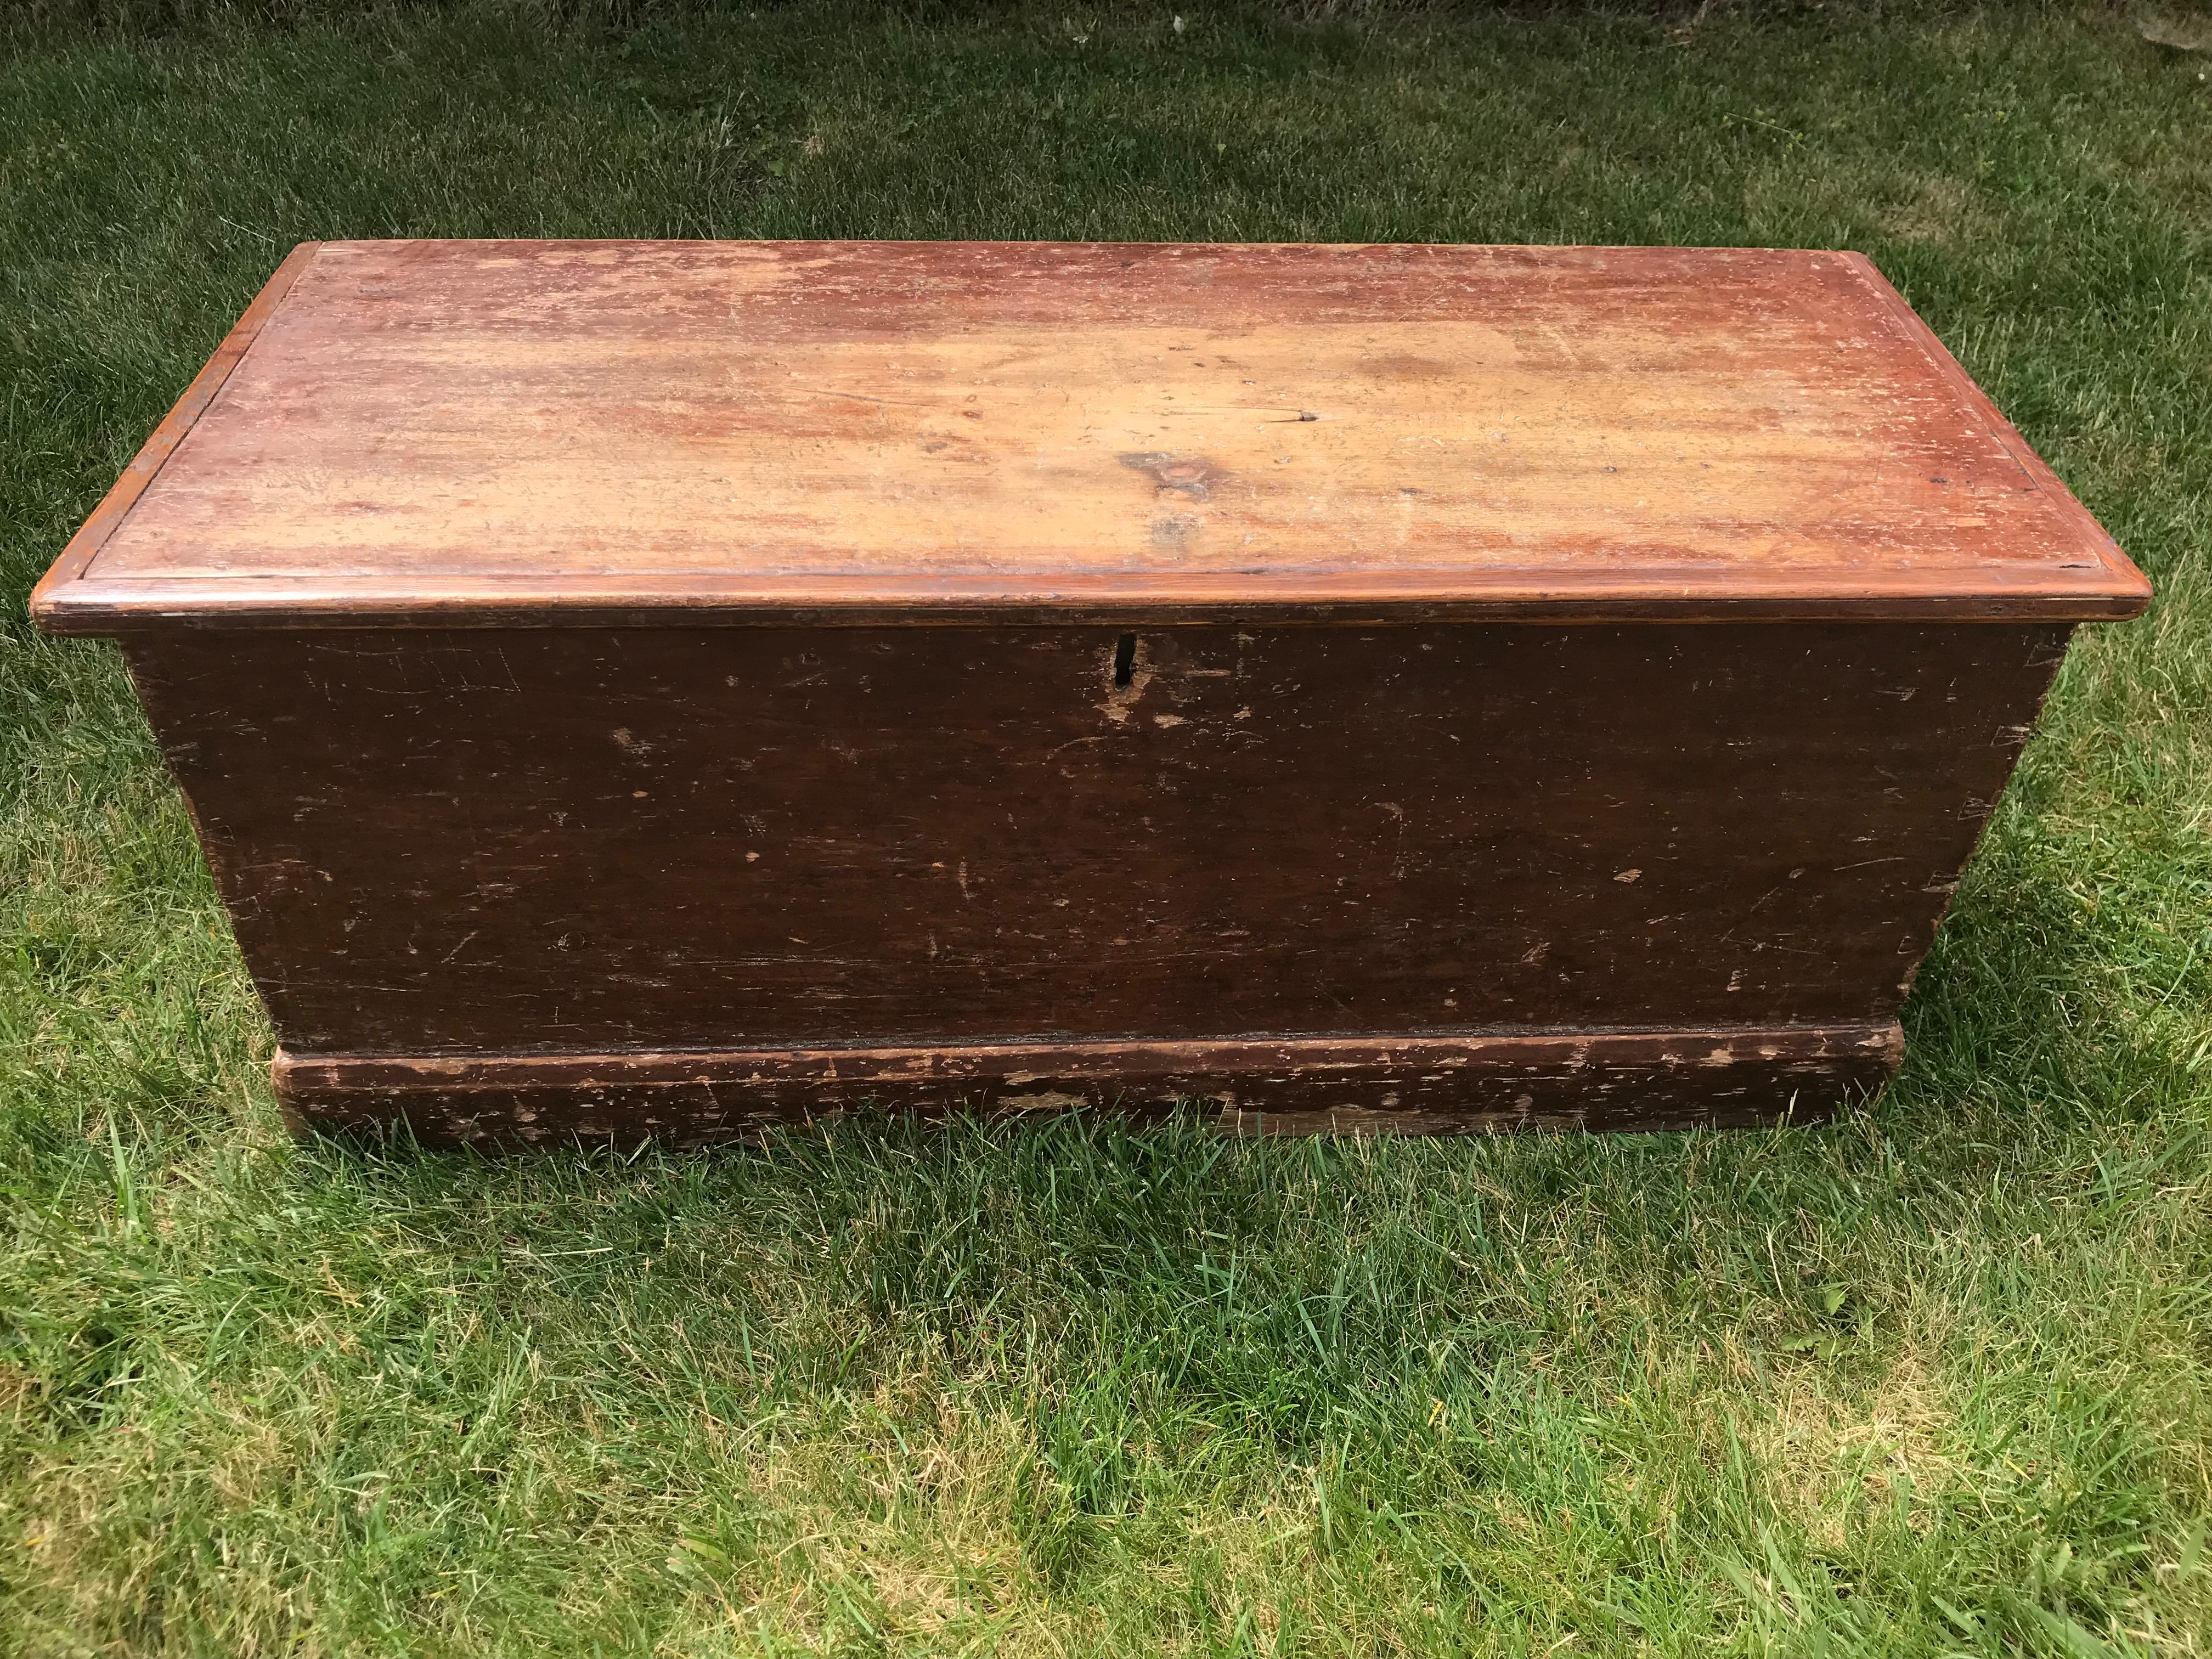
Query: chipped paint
(1625,1079)
(1121,701)
(984,421)
(1044,1100)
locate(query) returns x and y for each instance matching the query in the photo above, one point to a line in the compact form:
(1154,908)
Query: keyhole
(1125,659)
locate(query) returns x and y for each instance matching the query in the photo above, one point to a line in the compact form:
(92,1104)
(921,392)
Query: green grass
(1937,1378)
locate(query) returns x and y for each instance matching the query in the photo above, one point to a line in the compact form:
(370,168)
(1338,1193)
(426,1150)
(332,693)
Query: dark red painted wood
(1421,1085)
(555,838)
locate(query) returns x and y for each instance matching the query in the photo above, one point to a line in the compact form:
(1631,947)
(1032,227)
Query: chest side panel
(581,839)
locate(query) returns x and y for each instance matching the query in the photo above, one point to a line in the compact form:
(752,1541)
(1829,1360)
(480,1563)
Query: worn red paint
(677,686)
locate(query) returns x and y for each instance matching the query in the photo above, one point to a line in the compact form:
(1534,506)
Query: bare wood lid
(460,432)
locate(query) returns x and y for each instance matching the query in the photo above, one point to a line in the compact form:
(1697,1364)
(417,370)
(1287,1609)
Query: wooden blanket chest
(668,688)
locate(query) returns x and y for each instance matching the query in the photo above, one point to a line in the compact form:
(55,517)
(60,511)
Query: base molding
(1586,1079)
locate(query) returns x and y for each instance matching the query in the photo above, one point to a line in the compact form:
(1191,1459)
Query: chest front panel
(583,839)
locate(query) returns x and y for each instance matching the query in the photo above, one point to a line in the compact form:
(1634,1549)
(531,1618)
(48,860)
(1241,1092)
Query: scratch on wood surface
(1499,388)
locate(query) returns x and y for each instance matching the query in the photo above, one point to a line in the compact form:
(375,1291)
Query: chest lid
(466,432)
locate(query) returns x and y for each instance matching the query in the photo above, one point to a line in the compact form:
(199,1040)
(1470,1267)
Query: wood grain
(471,842)
(684,687)
(1422,1085)
(51,597)
(515,434)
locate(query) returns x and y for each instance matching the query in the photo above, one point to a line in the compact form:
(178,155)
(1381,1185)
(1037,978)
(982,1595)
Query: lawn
(1935,1378)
